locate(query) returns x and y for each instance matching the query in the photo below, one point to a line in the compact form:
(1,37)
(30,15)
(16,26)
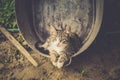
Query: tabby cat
(61,44)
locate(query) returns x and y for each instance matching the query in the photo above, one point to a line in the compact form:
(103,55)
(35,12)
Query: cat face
(59,39)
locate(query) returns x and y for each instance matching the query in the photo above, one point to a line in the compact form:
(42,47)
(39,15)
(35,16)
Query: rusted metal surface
(77,14)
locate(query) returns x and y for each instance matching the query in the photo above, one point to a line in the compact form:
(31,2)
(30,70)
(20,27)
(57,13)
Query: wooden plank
(18,46)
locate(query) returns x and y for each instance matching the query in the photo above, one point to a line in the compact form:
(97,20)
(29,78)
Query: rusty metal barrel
(83,16)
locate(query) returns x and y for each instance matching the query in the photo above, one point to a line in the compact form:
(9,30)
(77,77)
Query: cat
(61,44)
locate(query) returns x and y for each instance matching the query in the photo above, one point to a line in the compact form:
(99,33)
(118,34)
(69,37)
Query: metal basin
(83,16)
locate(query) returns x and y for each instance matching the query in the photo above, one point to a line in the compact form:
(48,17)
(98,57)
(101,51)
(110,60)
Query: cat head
(61,37)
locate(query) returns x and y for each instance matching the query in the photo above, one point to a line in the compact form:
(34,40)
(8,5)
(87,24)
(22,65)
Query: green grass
(7,14)
(8,20)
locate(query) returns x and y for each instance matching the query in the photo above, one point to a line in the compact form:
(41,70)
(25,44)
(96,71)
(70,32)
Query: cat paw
(54,56)
(60,65)
(54,63)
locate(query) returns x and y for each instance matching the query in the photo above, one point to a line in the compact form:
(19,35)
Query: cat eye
(64,41)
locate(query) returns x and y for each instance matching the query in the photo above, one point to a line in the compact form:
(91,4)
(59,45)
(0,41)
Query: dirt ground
(101,61)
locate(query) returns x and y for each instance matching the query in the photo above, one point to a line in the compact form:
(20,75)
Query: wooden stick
(18,46)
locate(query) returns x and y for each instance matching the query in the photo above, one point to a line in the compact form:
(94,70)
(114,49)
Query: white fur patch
(54,46)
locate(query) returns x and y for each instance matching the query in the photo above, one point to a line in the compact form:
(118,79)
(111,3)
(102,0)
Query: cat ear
(68,29)
(52,30)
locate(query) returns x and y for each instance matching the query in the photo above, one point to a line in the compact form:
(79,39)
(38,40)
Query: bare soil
(101,61)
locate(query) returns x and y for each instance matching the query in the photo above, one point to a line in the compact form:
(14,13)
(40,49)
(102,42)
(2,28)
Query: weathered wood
(18,46)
